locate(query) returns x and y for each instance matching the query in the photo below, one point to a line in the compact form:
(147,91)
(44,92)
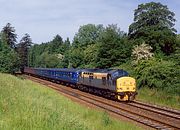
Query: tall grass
(28,105)
(162,98)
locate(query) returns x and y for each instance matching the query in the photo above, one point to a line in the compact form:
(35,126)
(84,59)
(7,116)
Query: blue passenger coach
(66,75)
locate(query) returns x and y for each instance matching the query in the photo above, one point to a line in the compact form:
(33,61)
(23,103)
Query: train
(110,83)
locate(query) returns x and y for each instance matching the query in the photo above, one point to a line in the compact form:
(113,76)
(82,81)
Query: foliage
(153,22)
(87,35)
(142,52)
(64,63)
(76,58)
(55,45)
(9,60)
(92,47)
(114,48)
(84,49)
(22,49)
(50,54)
(176,55)
(9,36)
(46,60)
(160,74)
(90,55)
(67,45)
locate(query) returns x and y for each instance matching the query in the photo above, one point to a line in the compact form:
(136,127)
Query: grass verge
(28,105)
(159,97)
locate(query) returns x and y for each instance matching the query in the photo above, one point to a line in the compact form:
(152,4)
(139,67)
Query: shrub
(158,74)
(9,60)
(141,52)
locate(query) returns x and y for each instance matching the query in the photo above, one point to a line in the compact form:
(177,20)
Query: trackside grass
(159,97)
(28,105)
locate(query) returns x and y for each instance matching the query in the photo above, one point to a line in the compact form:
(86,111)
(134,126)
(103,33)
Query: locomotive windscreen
(119,73)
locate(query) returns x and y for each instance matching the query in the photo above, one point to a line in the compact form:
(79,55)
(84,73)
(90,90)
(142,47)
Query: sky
(44,19)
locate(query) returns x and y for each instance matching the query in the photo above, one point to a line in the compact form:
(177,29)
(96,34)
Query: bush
(158,74)
(9,61)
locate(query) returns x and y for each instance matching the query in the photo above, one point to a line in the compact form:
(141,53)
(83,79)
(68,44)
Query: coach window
(91,77)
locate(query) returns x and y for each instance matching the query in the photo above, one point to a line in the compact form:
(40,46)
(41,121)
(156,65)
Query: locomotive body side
(109,83)
(95,79)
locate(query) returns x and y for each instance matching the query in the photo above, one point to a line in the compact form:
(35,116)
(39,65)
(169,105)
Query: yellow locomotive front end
(126,88)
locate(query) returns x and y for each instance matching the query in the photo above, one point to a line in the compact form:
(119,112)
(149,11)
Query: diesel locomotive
(110,83)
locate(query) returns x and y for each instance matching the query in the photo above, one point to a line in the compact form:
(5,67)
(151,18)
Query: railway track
(159,110)
(147,114)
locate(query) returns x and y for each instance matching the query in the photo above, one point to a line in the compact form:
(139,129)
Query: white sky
(43,19)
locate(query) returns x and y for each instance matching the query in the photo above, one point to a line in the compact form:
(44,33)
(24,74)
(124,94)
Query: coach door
(109,80)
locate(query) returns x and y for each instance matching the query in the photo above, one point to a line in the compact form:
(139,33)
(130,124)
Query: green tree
(153,23)
(57,52)
(65,60)
(85,40)
(76,57)
(175,56)
(67,44)
(90,55)
(46,60)
(22,49)
(55,46)
(9,36)
(114,48)
(34,52)
(87,35)
(9,60)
